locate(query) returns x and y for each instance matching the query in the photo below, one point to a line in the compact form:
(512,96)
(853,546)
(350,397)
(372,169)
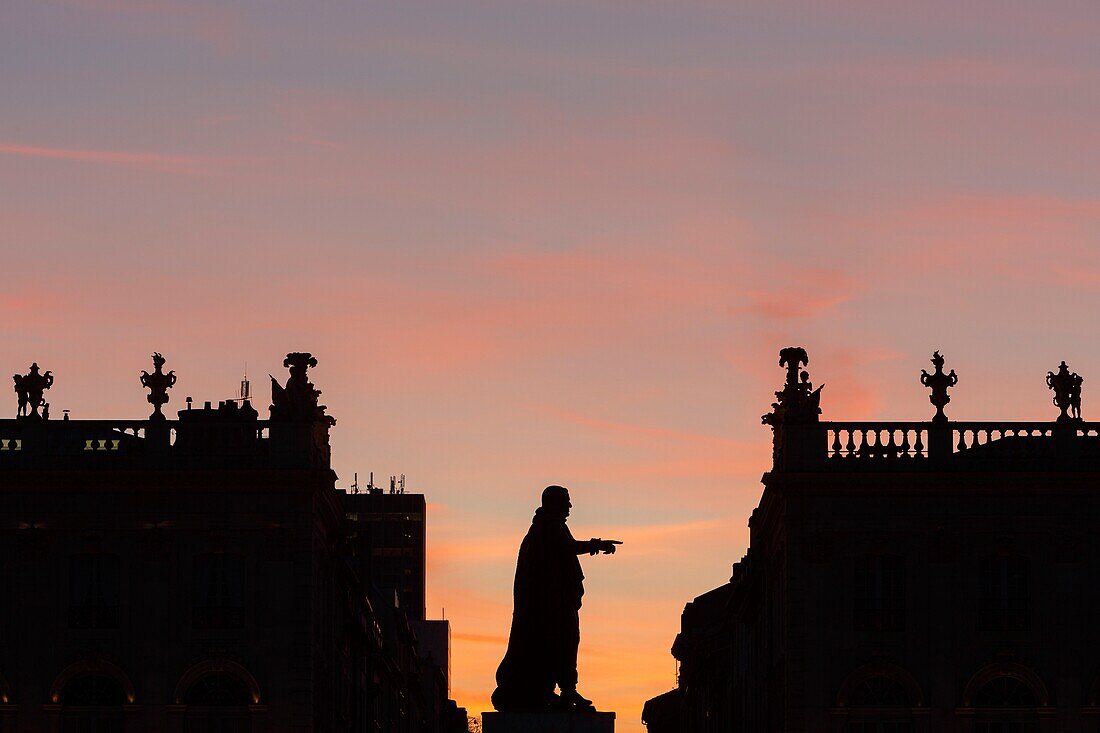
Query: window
(91,704)
(93,591)
(218,592)
(1004,594)
(1005,705)
(880,593)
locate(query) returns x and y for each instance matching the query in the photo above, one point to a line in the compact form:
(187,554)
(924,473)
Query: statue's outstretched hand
(607,547)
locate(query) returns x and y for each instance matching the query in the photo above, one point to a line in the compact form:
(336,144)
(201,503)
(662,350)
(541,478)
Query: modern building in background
(386,538)
(193,575)
(905,577)
(387,533)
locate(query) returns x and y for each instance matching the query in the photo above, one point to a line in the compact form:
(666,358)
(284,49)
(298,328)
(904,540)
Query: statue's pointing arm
(595,545)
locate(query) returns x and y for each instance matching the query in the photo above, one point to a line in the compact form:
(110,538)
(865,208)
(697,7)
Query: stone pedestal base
(548,722)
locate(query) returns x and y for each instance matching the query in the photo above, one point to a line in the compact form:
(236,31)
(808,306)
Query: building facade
(904,577)
(191,575)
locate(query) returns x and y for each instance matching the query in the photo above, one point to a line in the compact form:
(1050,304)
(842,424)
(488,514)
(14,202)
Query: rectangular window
(1004,594)
(94,591)
(880,593)
(218,592)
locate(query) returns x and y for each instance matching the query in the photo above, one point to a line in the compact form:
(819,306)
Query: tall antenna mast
(246,387)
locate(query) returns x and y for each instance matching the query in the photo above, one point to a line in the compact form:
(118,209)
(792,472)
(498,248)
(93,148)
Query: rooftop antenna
(244,394)
(401,484)
(355,483)
(393,484)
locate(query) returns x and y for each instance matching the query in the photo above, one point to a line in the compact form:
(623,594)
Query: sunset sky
(537,243)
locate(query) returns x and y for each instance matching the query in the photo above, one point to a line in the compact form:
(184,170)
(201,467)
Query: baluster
(961,446)
(850,446)
(892,446)
(918,446)
(905,442)
(836,443)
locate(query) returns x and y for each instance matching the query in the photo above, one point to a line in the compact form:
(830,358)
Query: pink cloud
(149,161)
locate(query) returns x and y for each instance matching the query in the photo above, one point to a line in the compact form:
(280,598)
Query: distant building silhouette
(905,577)
(386,542)
(193,576)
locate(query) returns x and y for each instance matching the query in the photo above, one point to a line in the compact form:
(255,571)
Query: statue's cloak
(547,595)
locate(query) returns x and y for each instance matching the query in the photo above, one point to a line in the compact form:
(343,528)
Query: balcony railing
(859,445)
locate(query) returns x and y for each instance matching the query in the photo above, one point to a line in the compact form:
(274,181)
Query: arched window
(879,698)
(1005,705)
(1005,698)
(92,703)
(90,696)
(217,696)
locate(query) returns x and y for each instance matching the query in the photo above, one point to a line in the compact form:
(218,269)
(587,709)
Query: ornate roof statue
(29,388)
(158,384)
(939,383)
(798,401)
(1067,392)
(297,401)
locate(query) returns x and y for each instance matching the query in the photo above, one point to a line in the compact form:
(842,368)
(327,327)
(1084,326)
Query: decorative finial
(1067,392)
(158,384)
(939,383)
(29,388)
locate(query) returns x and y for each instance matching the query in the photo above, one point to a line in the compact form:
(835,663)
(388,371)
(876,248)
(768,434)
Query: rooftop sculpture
(297,401)
(158,384)
(1067,392)
(939,383)
(798,401)
(29,388)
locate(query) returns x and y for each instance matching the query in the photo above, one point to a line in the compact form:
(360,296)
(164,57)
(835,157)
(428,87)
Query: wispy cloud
(165,162)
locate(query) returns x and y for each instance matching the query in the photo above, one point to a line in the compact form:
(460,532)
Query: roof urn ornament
(1067,392)
(158,383)
(939,383)
(29,388)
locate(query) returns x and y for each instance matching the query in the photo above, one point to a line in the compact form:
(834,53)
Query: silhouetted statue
(297,401)
(158,384)
(798,401)
(939,383)
(29,388)
(1067,392)
(542,645)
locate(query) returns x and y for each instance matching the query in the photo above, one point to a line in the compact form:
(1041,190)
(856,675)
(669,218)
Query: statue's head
(555,499)
(34,368)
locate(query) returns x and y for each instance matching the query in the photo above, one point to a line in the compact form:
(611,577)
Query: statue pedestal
(562,722)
